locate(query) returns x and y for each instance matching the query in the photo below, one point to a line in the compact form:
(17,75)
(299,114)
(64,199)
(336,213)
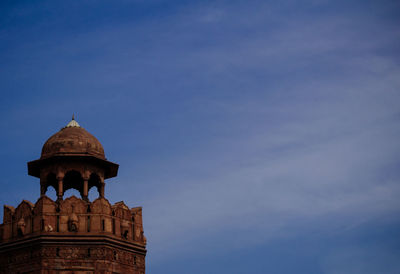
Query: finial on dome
(73,123)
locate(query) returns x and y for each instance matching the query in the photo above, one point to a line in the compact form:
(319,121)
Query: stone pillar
(102,186)
(85,189)
(60,190)
(43,187)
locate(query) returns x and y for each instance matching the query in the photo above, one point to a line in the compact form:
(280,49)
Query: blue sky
(259,136)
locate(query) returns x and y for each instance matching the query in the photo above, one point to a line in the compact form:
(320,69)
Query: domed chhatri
(72,140)
(72,158)
(72,234)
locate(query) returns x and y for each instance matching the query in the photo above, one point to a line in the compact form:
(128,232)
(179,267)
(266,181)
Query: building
(72,235)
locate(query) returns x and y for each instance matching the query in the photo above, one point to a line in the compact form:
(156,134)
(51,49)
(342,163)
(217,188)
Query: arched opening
(71,192)
(73,180)
(51,181)
(94,181)
(51,193)
(93,194)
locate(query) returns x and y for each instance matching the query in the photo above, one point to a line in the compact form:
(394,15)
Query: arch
(51,180)
(71,192)
(94,181)
(51,192)
(93,194)
(73,179)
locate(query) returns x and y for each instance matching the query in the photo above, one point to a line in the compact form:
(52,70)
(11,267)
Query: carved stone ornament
(73,222)
(124,229)
(48,228)
(21,227)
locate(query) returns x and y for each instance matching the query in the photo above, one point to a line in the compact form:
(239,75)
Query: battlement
(72,216)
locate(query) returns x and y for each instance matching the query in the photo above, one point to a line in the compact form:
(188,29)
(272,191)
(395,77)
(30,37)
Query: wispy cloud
(308,150)
(248,121)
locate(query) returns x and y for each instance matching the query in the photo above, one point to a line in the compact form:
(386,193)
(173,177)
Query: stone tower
(72,235)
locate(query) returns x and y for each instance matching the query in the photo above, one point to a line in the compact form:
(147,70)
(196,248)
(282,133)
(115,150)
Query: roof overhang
(110,168)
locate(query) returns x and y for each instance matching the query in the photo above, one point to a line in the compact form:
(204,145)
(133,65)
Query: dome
(72,145)
(72,140)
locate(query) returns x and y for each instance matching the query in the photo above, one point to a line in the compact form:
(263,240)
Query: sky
(258,136)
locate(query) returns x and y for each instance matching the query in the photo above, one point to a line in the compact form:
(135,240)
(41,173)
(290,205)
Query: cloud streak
(238,125)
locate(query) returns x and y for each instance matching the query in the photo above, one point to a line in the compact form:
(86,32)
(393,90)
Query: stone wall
(72,235)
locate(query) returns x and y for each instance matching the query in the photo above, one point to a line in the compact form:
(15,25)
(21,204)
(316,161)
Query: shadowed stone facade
(72,235)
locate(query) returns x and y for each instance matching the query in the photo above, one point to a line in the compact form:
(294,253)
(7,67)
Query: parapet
(72,217)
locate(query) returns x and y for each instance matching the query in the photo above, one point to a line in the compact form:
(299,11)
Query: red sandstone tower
(72,235)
